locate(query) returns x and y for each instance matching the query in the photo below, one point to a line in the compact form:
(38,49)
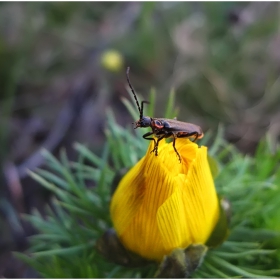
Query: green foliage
(252,187)
(79,211)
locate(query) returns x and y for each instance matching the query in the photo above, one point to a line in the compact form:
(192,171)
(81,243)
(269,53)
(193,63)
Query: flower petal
(171,219)
(162,204)
(128,198)
(201,201)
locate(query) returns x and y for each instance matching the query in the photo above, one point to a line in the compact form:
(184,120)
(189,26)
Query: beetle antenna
(140,109)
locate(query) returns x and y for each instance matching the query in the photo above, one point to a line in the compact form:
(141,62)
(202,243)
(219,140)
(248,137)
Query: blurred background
(63,65)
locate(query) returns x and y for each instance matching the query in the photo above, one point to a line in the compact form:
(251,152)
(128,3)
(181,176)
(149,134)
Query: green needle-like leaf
(65,246)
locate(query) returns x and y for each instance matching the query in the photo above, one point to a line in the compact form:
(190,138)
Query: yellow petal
(162,204)
(201,201)
(171,219)
(128,198)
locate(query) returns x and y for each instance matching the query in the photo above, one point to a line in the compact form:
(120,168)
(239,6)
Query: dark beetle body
(164,128)
(177,126)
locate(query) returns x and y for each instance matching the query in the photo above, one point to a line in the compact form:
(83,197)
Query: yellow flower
(112,60)
(162,204)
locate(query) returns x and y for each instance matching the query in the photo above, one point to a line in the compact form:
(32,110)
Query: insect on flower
(164,128)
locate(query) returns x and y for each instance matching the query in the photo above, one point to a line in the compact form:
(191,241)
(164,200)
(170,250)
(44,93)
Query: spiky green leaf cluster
(79,212)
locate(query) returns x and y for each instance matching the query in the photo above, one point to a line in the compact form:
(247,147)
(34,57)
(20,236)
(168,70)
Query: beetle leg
(145,136)
(156,145)
(174,139)
(165,135)
(195,134)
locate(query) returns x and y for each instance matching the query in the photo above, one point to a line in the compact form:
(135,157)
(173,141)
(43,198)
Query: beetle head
(143,122)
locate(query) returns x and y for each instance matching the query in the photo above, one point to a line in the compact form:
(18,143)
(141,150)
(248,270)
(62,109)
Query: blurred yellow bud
(112,60)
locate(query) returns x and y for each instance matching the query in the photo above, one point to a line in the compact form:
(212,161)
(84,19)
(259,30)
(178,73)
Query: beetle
(164,128)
